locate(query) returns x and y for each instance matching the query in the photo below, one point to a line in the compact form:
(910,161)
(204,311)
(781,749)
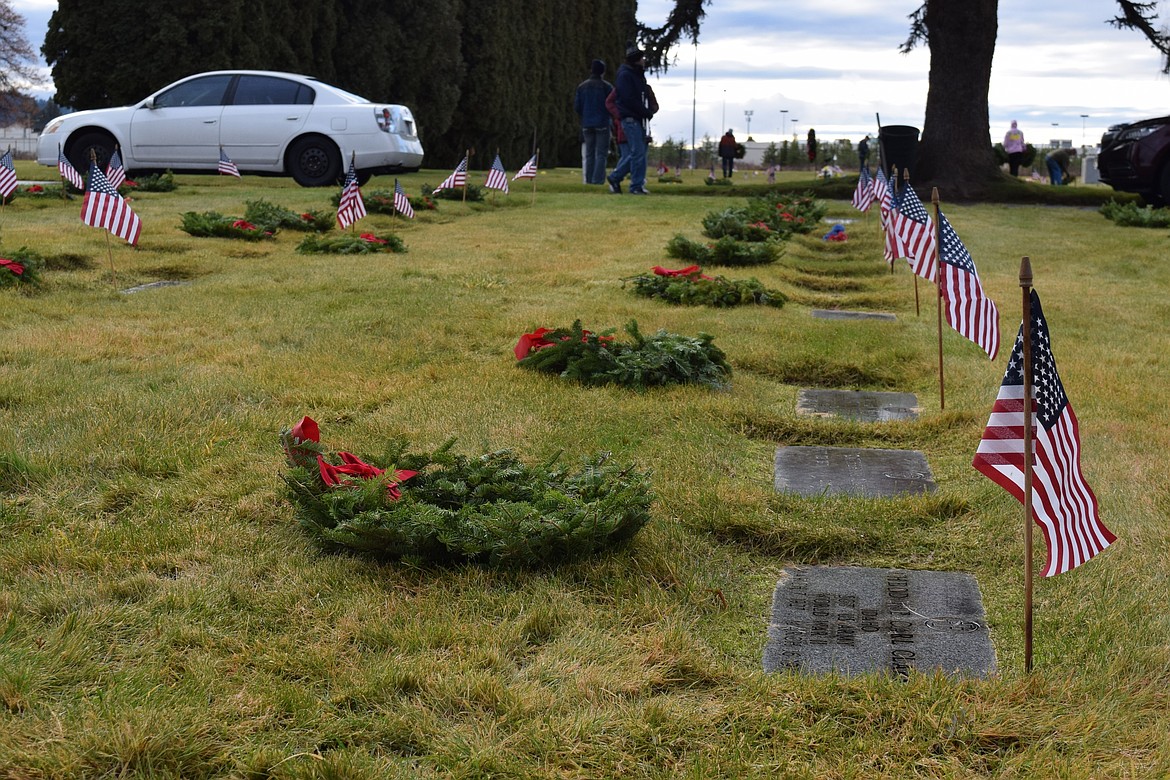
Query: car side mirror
(148,103)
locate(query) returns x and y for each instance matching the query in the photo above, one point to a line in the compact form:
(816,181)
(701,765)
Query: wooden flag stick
(536,157)
(110,253)
(942,396)
(1026,331)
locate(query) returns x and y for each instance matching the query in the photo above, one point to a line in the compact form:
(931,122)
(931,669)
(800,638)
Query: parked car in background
(279,124)
(1135,157)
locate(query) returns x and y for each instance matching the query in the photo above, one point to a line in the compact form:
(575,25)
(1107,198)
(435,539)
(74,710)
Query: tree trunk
(955,153)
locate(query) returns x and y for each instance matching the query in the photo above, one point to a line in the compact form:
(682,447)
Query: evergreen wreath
(598,359)
(442,507)
(350,244)
(212,224)
(691,287)
(382,202)
(156,182)
(1132,215)
(271,217)
(725,251)
(21,268)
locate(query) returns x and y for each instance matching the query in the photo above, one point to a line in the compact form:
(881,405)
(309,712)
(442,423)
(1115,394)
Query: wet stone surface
(816,471)
(862,406)
(851,620)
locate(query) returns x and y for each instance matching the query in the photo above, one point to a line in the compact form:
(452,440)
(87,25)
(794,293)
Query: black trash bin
(899,148)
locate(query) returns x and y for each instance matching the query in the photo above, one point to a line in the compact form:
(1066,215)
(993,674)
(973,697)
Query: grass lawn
(163,615)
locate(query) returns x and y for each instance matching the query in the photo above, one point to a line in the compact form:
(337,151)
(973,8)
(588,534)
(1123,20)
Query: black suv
(1136,158)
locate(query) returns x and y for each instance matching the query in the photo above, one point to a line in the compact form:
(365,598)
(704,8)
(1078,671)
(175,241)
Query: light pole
(783,122)
(1083,118)
(747,115)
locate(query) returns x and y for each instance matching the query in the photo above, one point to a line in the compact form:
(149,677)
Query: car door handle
(292,118)
(210,121)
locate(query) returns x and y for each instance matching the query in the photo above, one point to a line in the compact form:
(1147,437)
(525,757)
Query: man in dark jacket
(636,105)
(727,153)
(590,106)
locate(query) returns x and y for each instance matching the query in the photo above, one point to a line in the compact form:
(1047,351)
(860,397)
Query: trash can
(899,148)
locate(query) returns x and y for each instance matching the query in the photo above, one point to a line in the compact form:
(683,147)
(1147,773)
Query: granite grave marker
(858,405)
(816,471)
(840,314)
(852,620)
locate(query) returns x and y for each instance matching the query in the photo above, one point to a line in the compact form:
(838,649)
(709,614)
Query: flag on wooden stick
(968,310)
(497,178)
(351,207)
(226,166)
(103,207)
(7,175)
(863,195)
(115,172)
(401,202)
(68,172)
(457,179)
(527,171)
(1063,504)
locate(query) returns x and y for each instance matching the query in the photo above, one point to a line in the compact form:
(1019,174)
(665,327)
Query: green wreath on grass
(270,216)
(442,507)
(351,244)
(599,359)
(212,224)
(21,268)
(724,251)
(691,287)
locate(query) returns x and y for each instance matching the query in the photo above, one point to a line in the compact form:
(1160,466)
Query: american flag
(915,231)
(863,195)
(457,179)
(1063,504)
(881,194)
(497,178)
(401,202)
(7,175)
(528,171)
(115,173)
(968,310)
(351,207)
(70,174)
(103,207)
(226,165)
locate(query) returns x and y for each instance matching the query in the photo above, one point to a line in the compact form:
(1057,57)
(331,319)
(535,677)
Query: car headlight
(53,126)
(1138,133)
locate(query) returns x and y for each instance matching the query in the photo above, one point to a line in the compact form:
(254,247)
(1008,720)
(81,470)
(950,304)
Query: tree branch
(683,21)
(1141,17)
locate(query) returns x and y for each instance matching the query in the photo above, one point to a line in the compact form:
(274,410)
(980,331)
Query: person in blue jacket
(636,104)
(589,104)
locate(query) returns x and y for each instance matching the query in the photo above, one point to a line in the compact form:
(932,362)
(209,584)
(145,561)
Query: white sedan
(269,123)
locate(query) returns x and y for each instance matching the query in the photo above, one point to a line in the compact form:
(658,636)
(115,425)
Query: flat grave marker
(816,471)
(863,406)
(852,620)
(840,314)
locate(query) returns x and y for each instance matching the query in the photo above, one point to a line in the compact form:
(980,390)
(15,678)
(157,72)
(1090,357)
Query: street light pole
(747,115)
(783,122)
(1083,118)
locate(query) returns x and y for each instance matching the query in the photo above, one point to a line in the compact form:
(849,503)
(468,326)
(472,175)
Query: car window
(271,91)
(206,91)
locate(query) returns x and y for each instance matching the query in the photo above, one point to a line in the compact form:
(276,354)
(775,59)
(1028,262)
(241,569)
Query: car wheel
(98,146)
(314,162)
(363,178)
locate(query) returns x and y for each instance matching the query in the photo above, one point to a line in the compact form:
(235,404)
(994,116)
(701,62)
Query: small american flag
(915,231)
(226,165)
(863,195)
(115,173)
(351,207)
(1063,504)
(103,207)
(7,175)
(457,179)
(968,310)
(881,194)
(68,172)
(401,202)
(497,178)
(528,171)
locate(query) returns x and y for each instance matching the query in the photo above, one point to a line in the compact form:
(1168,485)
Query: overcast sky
(834,64)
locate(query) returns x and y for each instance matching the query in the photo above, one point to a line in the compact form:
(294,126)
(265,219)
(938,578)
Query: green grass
(162,615)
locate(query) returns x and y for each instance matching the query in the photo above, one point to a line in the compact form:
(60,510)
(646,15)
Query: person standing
(812,145)
(1013,144)
(727,153)
(590,106)
(863,150)
(636,104)
(1057,162)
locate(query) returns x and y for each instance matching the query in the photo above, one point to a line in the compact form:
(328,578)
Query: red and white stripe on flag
(103,207)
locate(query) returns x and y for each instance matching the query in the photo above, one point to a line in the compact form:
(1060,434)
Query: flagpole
(938,284)
(1026,334)
(61,175)
(536,157)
